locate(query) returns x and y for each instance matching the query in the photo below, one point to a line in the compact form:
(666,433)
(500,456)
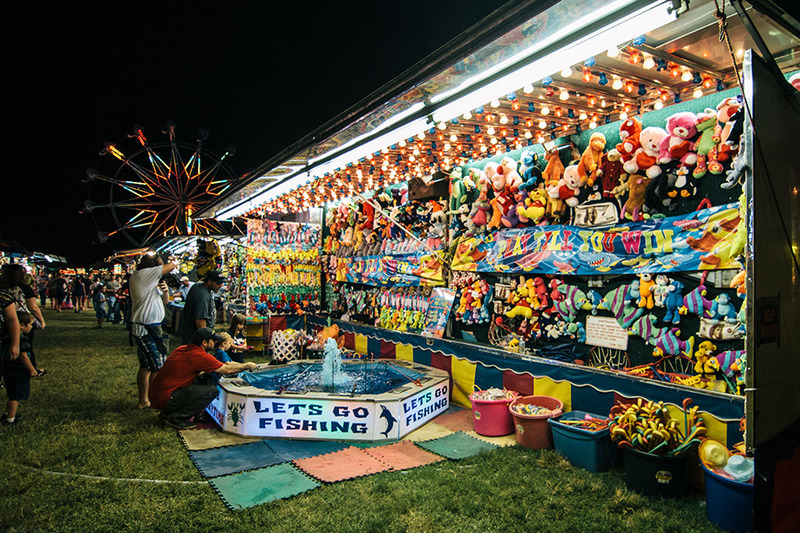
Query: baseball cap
(215,276)
(204,334)
(184,278)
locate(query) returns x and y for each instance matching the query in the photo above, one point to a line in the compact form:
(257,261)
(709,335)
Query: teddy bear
(533,207)
(673,302)
(608,172)
(629,131)
(645,159)
(646,286)
(706,145)
(730,118)
(438,227)
(508,167)
(661,290)
(569,186)
(637,187)
(590,159)
(678,145)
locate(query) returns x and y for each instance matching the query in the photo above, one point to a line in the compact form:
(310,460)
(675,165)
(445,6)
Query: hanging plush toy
(609,172)
(556,208)
(678,145)
(673,302)
(629,131)
(707,144)
(590,159)
(637,189)
(209,256)
(569,186)
(645,159)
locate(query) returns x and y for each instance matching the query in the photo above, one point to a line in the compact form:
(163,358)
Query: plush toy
(683,185)
(645,159)
(739,240)
(608,172)
(556,208)
(730,121)
(622,189)
(661,290)
(722,309)
(539,290)
(500,202)
(673,302)
(656,196)
(646,286)
(629,131)
(637,187)
(703,355)
(696,303)
(521,300)
(568,187)
(438,227)
(646,328)
(533,207)
(707,144)
(508,167)
(668,343)
(590,159)
(513,218)
(480,209)
(617,302)
(530,172)
(568,307)
(678,145)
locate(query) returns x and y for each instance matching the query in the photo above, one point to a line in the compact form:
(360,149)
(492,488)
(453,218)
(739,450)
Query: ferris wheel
(154,189)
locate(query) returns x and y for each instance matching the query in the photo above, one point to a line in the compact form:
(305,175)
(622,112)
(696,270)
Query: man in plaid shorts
(148,297)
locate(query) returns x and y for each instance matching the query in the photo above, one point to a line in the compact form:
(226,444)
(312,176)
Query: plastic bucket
(729,503)
(491,418)
(592,450)
(658,475)
(533,431)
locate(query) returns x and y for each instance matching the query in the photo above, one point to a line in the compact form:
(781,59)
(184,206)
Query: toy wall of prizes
(649,232)
(282,267)
(234,261)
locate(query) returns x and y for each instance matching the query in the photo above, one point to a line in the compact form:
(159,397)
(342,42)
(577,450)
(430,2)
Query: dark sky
(256,75)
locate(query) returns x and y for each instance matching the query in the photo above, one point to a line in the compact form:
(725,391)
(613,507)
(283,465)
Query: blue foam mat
(231,459)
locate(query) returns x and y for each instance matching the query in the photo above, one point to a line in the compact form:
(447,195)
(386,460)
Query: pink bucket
(492,417)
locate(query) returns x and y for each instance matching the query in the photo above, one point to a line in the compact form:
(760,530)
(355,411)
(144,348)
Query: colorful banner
(439,307)
(702,240)
(408,270)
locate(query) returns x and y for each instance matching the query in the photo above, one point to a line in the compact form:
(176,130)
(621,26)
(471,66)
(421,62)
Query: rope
(104,478)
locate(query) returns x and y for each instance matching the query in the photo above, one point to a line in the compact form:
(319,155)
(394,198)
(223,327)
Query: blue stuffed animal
(673,302)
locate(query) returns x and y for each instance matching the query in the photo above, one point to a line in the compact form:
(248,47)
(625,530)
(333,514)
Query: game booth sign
(617,220)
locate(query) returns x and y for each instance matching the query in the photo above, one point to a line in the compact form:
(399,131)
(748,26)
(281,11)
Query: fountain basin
(278,402)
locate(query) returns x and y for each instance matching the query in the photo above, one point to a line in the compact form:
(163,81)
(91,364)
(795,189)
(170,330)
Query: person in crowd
(185,286)
(51,291)
(148,294)
(60,291)
(78,294)
(41,288)
(199,310)
(87,290)
(32,307)
(9,323)
(18,372)
(123,297)
(236,331)
(99,303)
(176,390)
(112,286)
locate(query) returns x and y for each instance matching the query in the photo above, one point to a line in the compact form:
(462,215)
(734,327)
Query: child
(221,353)
(99,302)
(236,331)
(18,372)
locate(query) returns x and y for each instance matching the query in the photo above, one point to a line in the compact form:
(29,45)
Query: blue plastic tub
(592,450)
(729,503)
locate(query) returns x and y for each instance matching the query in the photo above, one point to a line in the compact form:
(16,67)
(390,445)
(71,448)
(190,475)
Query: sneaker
(182,424)
(6,422)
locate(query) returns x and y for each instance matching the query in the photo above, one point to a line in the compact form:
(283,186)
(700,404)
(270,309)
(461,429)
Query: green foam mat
(231,459)
(459,445)
(256,487)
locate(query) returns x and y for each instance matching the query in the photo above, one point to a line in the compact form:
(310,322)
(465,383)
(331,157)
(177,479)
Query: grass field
(81,421)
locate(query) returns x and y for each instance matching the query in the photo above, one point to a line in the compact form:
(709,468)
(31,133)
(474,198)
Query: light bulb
(593,124)
(613,52)
(583,115)
(385,151)
(564,95)
(698,92)
(416,151)
(542,124)
(528,134)
(623,116)
(493,140)
(421,135)
(527,89)
(453,138)
(686,76)
(402,144)
(649,62)
(545,110)
(446,147)
(603,103)
(495,103)
(483,148)
(503,119)
(566,72)
(490,131)
(658,105)
(442,125)
(617,84)
(467,115)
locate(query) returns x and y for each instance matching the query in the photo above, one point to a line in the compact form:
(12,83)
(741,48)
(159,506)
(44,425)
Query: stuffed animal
(703,355)
(533,207)
(512,218)
(500,202)
(629,131)
(723,309)
(480,209)
(646,286)
(531,174)
(508,167)
(668,343)
(556,208)
(590,159)
(739,240)
(696,302)
(645,159)
(540,293)
(678,145)
(730,120)
(637,187)
(568,187)
(609,171)
(683,185)
(661,290)
(673,302)
(706,146)
(655,196)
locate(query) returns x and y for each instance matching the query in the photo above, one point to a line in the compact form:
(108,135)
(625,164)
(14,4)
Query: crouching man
(176,389)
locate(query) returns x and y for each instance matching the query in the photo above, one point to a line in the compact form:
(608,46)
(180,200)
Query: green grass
(81,420)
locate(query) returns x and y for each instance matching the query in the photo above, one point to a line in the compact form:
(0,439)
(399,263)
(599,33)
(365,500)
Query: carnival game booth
(605,192)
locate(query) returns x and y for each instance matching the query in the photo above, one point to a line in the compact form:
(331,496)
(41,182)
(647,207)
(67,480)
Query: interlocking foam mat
(231,459)
(457,446)
(505,440)
(203,439)
(429,431)
(403,455)
(289,450)
(349,463)
(460,420)
(264,485)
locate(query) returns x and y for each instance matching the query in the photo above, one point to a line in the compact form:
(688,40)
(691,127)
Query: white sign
(606,332)
(420,408)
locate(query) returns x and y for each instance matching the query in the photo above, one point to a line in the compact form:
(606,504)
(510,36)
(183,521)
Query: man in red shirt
(175,389)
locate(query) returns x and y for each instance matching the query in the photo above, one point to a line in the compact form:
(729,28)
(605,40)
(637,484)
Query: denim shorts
(152,347)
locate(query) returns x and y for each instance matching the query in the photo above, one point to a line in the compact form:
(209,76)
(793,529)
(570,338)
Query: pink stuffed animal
(681,128)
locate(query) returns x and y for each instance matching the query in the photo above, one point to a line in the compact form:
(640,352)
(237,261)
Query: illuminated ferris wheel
(156,188)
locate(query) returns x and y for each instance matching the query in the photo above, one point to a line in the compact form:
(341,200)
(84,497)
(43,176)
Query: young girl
(236,331)
(18,372)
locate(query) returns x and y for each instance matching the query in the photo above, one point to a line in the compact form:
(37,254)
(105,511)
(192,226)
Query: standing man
(111,300)
(199,310)
(148,297)
(185,286)
(176,390)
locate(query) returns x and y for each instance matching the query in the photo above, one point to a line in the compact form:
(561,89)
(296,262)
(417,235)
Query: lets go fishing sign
(702,240)
(319,418)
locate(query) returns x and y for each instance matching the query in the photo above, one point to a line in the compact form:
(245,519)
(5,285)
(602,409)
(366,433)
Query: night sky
(83,73)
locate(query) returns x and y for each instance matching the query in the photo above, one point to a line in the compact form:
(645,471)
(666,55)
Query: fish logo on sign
(390,420)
